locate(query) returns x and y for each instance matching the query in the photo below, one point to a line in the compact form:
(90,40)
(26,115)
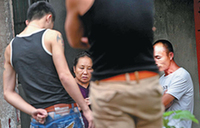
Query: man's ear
(49,18)
(171,55)
(27,22)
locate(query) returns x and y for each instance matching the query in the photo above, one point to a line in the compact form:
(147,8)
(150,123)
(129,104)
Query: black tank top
(120,34)
(36,71)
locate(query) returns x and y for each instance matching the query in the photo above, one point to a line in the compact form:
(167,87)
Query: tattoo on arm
(60,39)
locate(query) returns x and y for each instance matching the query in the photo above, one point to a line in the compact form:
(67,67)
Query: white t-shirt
(179,84)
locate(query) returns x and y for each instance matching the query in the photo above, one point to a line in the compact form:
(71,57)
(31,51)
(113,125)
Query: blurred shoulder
(79,6)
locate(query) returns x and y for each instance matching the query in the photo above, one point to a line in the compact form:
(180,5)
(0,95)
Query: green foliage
(179,114)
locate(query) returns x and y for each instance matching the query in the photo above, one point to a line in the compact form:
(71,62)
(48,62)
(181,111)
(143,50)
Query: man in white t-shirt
(176,82)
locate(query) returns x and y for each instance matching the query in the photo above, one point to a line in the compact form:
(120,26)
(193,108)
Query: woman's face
(83,70)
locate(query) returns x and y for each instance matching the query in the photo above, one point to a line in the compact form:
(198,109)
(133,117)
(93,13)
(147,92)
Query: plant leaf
(185,115)
(168,113)
(165,122)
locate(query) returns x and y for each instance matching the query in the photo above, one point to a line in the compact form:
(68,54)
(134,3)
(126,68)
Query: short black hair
(39,9)
(167,45)
(79,55)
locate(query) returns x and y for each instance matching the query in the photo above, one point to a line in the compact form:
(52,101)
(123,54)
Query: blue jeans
(70,119)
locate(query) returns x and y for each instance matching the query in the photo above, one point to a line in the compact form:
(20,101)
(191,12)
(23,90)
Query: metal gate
(19,12)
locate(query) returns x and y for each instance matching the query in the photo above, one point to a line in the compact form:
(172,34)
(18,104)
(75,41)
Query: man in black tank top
(37,56)
(125,90)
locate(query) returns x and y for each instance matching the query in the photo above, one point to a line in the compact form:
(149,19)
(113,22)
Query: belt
(137,75)
(54,107)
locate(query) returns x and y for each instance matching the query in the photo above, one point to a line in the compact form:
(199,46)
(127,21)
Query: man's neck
(32,27)
(172,68)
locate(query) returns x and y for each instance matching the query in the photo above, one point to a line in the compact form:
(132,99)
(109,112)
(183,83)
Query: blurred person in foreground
(37,56)
(124,90)
(178,93)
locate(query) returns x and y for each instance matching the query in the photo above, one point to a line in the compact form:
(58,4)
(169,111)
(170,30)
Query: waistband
(137,75)
(53,108)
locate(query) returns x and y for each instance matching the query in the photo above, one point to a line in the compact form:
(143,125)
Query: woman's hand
(87,101)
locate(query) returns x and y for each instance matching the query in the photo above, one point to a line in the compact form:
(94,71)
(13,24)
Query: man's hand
(85,42)
(40,115)
(169,105)
(89,117)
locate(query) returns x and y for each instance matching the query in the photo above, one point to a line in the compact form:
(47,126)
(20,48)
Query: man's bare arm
(64,73)
(12,97)
(167,100)
(73,26)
